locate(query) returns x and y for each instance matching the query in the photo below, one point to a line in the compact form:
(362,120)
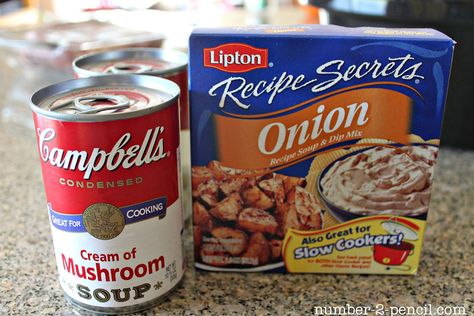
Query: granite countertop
(28,279)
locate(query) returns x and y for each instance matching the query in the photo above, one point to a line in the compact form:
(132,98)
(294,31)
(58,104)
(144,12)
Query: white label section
(141,264)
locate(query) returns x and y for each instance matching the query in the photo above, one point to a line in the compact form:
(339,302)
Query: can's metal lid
(150,61)
(104,98)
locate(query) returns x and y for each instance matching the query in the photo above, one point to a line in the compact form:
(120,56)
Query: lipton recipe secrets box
(314,147)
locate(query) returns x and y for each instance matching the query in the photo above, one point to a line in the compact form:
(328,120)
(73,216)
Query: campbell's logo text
(235,57)
(150,149)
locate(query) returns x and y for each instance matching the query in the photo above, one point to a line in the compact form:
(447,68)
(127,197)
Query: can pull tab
(125,68)
(83,104)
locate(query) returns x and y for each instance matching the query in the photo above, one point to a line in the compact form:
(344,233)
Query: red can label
(181,79)
(113,196)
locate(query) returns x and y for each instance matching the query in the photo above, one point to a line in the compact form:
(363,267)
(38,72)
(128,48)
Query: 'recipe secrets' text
(237,89)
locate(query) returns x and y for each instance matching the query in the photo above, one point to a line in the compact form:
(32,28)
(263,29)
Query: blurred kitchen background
(40,38)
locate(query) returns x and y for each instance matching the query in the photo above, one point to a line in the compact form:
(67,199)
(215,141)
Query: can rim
(166,86)
(177,57)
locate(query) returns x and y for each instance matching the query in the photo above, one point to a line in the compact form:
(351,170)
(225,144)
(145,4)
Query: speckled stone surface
(28,280)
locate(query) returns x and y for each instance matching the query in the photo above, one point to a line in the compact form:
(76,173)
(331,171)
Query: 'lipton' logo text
(235,57)
(150,150)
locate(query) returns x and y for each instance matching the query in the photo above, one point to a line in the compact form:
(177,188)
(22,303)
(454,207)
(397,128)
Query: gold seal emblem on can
(103,221)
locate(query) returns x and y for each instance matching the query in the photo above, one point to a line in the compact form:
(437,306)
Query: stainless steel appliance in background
(452,17)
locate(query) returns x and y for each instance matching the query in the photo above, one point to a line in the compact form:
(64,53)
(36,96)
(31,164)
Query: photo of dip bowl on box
(385,179)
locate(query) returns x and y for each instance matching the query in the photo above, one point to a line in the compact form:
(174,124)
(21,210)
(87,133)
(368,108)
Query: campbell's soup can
(165,63)
(109,152)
